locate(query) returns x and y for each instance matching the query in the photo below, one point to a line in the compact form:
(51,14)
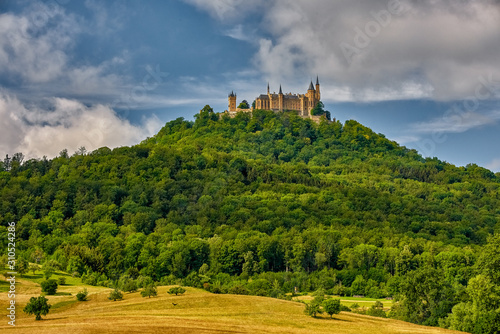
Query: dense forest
(264,203)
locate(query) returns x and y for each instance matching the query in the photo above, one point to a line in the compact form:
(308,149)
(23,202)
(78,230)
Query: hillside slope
(200,312)
(262,204)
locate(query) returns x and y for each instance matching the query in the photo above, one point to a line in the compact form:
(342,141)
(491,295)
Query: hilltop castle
(302,103)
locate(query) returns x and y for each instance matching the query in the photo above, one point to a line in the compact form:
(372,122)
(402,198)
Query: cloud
(237,32)
(232,10)
(64,124)
(456,122)
(439,48)
(494,165)
(37,52)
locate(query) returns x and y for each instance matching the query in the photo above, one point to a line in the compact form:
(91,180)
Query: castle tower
(281,99)
(311,97)
(318,94)
(232,102)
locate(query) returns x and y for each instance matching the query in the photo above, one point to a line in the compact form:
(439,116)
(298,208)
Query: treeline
(264,203)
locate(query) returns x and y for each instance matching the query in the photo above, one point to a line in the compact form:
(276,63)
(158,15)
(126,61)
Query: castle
(302,103)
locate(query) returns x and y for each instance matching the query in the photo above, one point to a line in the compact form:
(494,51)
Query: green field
(197,311)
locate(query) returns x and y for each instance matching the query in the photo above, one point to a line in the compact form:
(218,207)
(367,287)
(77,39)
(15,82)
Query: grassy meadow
(197,311)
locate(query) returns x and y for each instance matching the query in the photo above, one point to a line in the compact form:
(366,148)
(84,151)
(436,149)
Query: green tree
(115,295)
(425,297)
(176,291)
(331,306)
(37,306)
(319,110)
(244,105)
(313,308)
(33,268)
(149,290)
(49,286)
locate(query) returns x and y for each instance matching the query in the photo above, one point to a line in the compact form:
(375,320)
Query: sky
(425,73)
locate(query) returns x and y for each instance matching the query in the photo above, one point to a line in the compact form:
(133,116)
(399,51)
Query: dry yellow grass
(197,311)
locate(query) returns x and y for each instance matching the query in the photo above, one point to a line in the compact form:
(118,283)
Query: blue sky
(111,73)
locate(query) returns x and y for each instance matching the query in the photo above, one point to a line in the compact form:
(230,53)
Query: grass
(196,311)
(348,301)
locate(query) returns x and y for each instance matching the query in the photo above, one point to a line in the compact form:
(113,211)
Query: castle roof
(311,87)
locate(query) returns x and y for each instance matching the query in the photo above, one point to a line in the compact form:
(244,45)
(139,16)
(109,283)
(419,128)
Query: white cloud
(456,122)
(36,51)
(436,49)
(65,124)
(494,165)
(232,10)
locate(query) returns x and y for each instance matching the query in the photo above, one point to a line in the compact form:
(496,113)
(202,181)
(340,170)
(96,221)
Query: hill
(264,204)
(196,312)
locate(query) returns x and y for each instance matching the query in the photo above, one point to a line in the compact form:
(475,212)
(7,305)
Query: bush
(176,291)
(377,310)
(238,290)
(115,295)
(129,285)
(82,295)
(61,280)
(49,286)
(313,308)
(149,291)
(37,306)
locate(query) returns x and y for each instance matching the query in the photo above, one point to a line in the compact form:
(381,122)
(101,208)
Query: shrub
(149,291)
(238,290)
(129,285)
(82,295)
(313,308)
(61,280)
(115,295)
(49,286)
(176,290)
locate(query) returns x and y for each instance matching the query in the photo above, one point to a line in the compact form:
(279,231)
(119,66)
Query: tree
(48,270)
(319,110)
(37,306)
(176,290)
(149,290)
(115,295)
(331,306)
(33,268)
(244,105)
(82,295)
(425,297)
(49,286)
(22,266)
(313,309)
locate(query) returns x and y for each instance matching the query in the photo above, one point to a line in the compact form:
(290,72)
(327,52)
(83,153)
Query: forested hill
(271,197)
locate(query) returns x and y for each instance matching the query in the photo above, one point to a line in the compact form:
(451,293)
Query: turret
(318,94)
(232,102)
(281,100)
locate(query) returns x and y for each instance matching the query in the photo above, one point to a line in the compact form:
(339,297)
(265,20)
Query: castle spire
(311,87)
(317,80)
(268,87)
(281,92)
